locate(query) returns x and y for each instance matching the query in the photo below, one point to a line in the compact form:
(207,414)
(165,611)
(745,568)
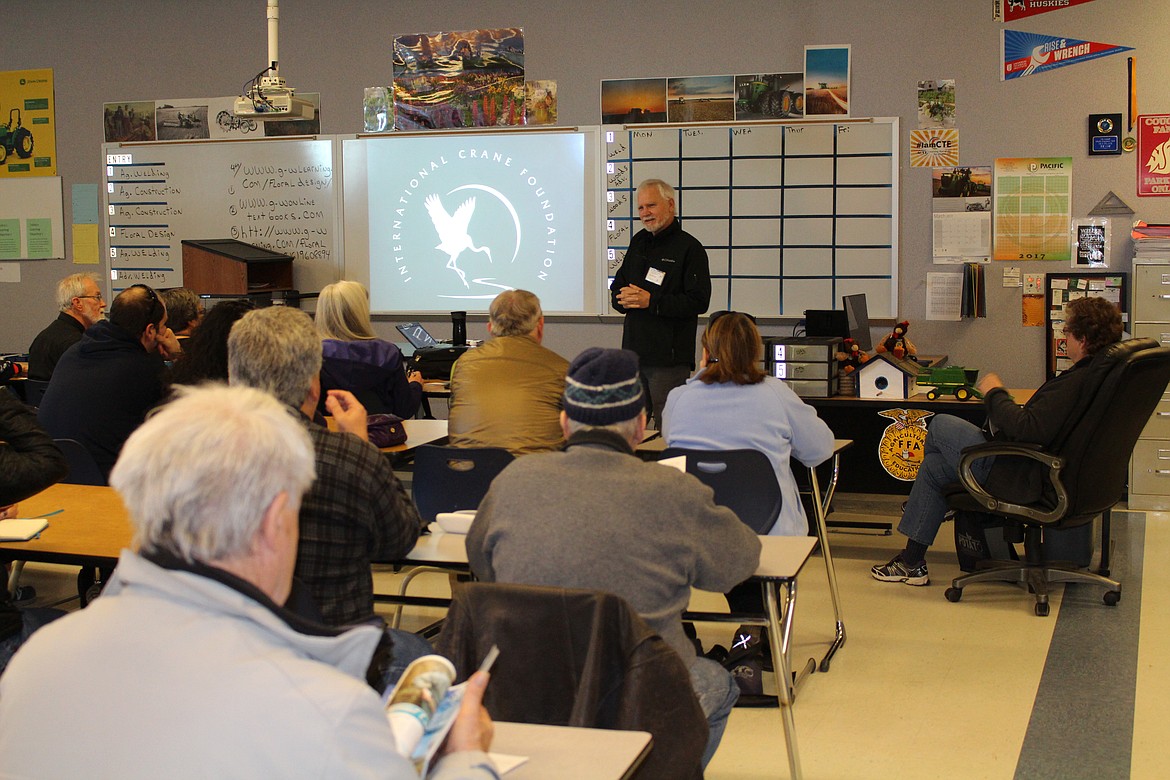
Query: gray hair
(343,312)
(202,470)
(626,428)
(514,313)
(276,350)
(664,189)
(182,307)
(73,286)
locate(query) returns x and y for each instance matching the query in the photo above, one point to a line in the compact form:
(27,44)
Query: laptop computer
(417,335)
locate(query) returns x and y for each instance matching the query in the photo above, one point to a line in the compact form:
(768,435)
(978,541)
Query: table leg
(778,637)
(821,510)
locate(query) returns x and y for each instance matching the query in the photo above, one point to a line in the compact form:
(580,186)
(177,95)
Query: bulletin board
(32,222)
(794,215)
(280,194)
(1059,289)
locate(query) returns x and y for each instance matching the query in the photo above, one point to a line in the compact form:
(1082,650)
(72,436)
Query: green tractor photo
(15,138)
(767,98)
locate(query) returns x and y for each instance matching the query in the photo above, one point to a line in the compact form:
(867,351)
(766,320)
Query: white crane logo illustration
(452,230)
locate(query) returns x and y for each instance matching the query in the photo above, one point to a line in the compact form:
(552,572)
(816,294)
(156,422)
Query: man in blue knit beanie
(594,516)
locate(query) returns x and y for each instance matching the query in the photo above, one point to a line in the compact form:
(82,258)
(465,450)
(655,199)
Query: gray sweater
(596,517)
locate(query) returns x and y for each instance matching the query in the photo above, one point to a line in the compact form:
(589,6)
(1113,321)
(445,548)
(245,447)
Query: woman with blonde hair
(357,360)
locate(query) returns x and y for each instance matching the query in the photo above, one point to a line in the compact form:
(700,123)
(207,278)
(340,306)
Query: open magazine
(423,705)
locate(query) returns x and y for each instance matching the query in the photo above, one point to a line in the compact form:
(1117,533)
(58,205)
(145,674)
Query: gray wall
(157,49)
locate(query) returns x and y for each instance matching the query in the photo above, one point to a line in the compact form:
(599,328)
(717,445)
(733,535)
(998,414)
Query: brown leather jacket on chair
(578,658)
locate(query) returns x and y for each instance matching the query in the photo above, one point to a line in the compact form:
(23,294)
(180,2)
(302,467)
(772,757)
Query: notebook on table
(20,529)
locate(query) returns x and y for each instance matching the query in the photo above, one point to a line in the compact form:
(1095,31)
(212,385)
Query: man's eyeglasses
(95,297)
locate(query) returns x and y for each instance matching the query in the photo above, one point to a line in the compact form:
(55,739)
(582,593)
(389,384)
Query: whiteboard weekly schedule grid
(793,216)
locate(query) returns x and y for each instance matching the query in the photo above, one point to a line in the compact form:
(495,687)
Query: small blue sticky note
(85,204)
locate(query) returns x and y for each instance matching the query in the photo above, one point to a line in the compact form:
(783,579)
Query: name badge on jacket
(655,276)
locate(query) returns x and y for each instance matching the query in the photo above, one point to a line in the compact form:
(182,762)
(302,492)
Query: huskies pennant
(1009,10)
(1028,53)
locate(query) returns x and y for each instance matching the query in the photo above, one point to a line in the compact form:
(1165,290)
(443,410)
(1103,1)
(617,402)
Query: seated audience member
(29,463)
(201,669)
(358,361)
(356,512)
(1090,325)
(184,310)
(104,385)
(507,393)
(597,517)
(80,304)
(204,357)
(732,404)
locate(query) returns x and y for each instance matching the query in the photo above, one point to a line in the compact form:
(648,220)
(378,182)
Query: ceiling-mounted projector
(267,96)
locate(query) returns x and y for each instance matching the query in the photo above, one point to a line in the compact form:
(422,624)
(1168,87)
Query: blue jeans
(717,694)
(927,506)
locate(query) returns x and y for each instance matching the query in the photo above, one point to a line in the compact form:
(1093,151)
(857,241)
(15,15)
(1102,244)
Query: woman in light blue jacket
(730,403)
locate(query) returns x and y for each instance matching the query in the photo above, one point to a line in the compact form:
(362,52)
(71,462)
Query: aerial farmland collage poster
(473,78)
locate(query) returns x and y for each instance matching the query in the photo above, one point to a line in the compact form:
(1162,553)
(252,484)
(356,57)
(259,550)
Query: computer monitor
(858,315)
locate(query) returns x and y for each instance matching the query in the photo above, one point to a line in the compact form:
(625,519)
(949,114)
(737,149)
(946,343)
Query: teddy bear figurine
(897,344)
(851,356)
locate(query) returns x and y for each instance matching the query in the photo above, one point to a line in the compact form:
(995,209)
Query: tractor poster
(28,138)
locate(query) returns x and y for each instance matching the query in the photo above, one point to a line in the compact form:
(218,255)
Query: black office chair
(34,391)
(447,479)
(1084,474)
(743,480)
(83,470)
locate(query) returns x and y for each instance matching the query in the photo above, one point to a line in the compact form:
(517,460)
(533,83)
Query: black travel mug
(459,328)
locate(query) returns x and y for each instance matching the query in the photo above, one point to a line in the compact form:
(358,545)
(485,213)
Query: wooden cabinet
(1149,468)
(225,266)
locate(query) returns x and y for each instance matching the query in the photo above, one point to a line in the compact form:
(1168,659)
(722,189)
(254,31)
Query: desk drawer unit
(808,365)
(1149,468)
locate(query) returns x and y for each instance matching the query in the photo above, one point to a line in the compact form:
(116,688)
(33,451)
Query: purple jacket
(373,371)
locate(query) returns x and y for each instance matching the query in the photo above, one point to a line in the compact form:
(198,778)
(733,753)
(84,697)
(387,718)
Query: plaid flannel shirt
(355,512)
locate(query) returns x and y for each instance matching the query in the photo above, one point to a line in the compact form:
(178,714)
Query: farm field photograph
(826,80)
(633,101)
(701,99)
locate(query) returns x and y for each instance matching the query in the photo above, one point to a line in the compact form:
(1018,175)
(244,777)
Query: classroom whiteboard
(793,215)
(281,194)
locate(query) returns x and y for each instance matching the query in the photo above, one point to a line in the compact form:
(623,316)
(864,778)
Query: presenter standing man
(662,287)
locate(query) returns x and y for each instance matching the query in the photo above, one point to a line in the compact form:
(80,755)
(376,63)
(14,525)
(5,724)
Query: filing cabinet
(1149,468)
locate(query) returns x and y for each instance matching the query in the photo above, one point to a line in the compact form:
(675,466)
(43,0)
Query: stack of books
(1151,243)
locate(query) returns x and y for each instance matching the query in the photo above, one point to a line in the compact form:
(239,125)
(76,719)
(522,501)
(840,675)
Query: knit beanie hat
(603,387)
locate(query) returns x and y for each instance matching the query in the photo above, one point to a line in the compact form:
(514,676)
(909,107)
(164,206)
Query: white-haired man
(79,305)
(507,393)
(662,286)
(201,671)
